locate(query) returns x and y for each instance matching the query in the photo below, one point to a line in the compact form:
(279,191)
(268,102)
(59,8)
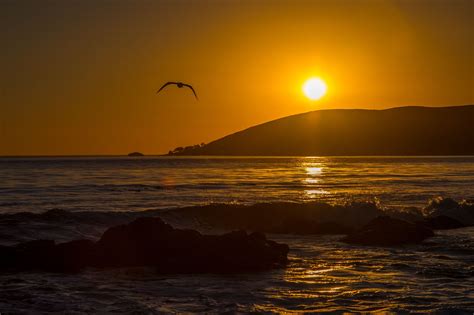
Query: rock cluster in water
(398,227)
(150,242)
(387,231)
(442,222)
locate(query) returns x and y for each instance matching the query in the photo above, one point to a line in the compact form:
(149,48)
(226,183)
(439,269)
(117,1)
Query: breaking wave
(276,217)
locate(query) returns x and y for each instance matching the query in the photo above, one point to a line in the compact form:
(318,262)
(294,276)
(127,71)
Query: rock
(46,255)
(136,154)
(286,217)
(442,222)
(238,251)
(8,257)
(462,211)
(37,254)
(387,231)
(141,242)
(309,227)
(73,256)
(150,242)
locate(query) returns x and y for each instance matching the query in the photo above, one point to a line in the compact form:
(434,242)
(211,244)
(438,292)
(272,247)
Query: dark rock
(462,211)
(36,246)
(302,226)
(141,242)
(46,255)
(36,254)
(73,256)
(150,242)
(442,222)
(8,257)
(440,204)
(136,154)
(286,217)
(387,231)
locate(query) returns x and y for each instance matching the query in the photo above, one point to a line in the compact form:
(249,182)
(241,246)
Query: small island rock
(442,222)
(387,231)
(136,154)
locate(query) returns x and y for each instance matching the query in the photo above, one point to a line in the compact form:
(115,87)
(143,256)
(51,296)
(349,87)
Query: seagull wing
(194,92)
(166,84)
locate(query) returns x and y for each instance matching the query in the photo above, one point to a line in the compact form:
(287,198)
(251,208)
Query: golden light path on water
(323,274)
(123,184)
(314,172)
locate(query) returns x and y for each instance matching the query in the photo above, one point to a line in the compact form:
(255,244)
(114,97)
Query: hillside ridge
(409,130)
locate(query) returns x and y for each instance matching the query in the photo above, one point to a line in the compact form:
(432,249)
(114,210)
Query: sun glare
(314,88)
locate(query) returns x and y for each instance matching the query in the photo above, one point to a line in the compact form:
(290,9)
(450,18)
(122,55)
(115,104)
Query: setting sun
(314,88)
(271,156)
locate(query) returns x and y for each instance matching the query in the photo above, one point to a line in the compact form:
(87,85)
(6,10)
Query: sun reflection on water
(338,275)
(311,180)
(314,176)
(314,171)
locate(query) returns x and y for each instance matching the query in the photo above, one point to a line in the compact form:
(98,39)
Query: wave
(462,211)
(275,217)
(126,187)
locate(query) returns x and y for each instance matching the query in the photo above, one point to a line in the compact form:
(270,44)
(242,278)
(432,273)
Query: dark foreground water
(85,195)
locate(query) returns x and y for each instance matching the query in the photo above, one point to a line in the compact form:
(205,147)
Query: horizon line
(225,156)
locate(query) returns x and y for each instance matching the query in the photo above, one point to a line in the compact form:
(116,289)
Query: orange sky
(79,77)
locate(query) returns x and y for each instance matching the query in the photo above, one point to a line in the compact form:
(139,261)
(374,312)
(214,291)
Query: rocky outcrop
(150,242)
(284,217)
(387,231)
(309,227)
(442,222)
(462,211)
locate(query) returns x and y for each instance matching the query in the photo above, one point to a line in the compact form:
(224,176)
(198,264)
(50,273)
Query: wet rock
(35,254)
(442,222)
(310,227)
(387,231)
(286,217)
(73,256)
(141,242)
(150,242)
(462,211)
(8,257)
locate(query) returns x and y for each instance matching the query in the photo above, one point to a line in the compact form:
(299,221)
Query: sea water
(64,198)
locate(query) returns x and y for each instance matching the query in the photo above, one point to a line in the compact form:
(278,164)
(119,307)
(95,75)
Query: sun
(314,88)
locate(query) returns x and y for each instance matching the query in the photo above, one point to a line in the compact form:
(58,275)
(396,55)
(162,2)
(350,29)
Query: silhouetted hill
(396,131)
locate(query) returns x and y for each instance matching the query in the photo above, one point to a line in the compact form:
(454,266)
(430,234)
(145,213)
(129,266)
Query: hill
(395,131)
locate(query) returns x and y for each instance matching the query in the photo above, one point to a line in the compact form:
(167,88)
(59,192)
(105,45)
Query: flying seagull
(178,84)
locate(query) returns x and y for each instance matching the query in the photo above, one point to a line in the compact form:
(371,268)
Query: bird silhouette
(180,85)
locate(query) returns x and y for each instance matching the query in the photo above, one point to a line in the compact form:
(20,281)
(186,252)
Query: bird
(180,85)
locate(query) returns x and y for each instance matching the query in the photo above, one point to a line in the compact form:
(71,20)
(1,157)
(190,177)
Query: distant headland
(411,130)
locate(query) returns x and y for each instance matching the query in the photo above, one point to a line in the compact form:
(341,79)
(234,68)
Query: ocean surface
(66,198)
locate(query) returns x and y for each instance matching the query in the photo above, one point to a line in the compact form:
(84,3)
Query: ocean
(65,198)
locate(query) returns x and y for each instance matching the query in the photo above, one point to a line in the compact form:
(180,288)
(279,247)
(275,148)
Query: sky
(80,77)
